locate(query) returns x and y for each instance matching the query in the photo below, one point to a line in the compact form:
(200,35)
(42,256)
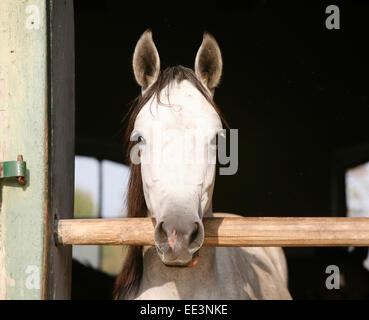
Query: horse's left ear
(208,63)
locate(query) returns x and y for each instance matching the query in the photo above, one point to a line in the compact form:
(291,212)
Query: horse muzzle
(178,239)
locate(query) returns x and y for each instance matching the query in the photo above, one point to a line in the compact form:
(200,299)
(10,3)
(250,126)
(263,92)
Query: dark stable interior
(297,92)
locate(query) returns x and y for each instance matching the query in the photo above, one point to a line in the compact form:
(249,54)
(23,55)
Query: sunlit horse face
(177,147)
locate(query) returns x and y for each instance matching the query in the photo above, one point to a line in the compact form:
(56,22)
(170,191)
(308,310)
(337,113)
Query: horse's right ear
(146,61)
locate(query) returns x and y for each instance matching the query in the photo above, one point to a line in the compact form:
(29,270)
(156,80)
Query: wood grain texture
(238,232)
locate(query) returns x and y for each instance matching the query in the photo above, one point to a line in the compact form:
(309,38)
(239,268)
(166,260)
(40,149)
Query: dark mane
(128,280)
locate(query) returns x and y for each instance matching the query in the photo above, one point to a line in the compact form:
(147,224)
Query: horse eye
(140,139)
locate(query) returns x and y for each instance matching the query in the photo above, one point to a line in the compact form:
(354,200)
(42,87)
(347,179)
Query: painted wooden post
(30,97)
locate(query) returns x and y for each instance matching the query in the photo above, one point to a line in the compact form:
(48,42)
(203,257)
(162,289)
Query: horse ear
(208,62)
(146,61)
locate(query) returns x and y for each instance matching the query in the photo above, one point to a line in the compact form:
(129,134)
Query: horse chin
(181,264)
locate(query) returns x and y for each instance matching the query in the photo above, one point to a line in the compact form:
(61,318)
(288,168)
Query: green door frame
(37,121)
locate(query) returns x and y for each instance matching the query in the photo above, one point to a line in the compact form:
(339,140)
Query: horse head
(175,135)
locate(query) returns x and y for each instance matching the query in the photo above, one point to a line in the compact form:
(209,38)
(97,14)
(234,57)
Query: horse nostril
(160,234)
(194,233)
(197,237)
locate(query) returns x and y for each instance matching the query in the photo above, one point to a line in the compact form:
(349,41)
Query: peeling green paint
(23,130)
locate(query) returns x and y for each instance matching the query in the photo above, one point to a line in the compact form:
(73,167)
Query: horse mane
(128,280)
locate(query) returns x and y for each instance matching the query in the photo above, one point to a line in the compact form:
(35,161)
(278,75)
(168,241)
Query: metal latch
(14,169)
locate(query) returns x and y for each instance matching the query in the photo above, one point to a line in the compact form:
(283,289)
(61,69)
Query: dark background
(297,92)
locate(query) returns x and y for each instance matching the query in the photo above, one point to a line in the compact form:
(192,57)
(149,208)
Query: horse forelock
(128,280)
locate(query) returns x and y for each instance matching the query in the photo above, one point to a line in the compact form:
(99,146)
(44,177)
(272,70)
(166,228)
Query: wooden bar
(237,232)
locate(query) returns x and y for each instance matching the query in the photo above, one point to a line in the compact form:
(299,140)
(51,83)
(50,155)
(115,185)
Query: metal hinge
(14,169)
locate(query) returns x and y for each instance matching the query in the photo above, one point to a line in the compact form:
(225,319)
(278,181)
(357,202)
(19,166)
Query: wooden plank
(23,130)
(57,267)
(240,232)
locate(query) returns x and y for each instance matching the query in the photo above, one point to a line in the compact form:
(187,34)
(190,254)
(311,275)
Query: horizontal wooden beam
(237,232)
